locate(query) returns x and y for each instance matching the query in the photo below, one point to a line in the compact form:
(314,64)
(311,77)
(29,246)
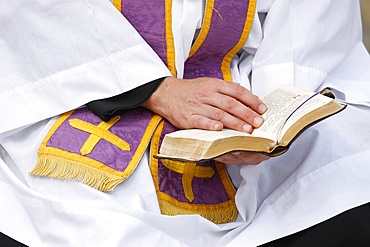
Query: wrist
(154,101)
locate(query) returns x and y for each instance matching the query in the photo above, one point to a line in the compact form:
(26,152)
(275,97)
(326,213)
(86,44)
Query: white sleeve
(305,41)
(57,55)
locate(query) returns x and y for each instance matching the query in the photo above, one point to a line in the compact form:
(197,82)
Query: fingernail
(247,127)
(262,108)
(217,126)
(258,121)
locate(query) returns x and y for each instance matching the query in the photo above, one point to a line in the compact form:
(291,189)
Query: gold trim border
(47,154)
(225,64)
(220,213)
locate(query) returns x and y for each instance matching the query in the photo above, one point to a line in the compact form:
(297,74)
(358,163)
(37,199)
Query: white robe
(58,55)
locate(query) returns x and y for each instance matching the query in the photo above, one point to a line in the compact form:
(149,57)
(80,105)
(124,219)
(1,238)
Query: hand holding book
(290,111)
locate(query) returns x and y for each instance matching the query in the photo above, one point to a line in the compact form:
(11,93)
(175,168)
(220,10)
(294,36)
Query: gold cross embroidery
(98,132)
(189,171)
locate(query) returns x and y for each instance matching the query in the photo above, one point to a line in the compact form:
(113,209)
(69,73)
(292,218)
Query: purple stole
(103,154)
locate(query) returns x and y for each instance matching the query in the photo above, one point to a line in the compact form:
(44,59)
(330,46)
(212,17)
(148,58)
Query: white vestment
(57,55)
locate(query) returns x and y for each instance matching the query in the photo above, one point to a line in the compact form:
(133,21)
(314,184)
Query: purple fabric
(130,128)
(206,190)
(227,24)
(228,19)
(148,18)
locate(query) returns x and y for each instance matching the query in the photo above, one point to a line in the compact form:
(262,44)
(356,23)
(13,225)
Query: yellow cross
(98,132)
(189,171)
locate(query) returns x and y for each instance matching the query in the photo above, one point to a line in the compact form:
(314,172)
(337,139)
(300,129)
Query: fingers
(215,119)
(236,107)
(202,122)
(235,115)
(244,96)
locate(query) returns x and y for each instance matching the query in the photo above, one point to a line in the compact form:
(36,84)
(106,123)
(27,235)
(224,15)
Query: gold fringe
(217,216)
(62,168)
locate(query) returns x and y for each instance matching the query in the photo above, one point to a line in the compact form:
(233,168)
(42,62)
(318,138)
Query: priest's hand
(206,103)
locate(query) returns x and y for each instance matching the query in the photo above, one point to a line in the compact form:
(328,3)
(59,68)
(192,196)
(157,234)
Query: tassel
(62,168)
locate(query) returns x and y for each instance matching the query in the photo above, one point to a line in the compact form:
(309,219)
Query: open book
(290,111)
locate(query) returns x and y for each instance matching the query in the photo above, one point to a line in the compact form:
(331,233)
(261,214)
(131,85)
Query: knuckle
(195,121)
(231,103)
(219,114)
(219,83)
(239,90)
(192,103)
(248,114)
(255,100)
(208,80)
(215,83)
(202,93)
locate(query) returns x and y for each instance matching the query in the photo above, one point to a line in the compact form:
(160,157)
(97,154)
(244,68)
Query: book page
(206,135)
(286,105)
